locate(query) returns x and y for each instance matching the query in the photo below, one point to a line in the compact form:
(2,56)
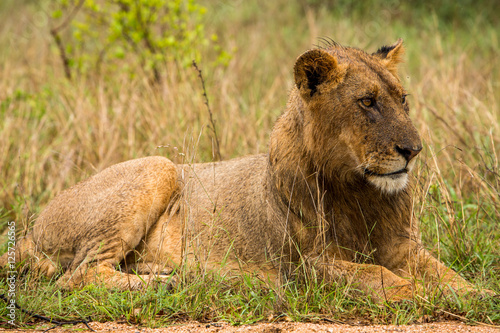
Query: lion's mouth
(373,173)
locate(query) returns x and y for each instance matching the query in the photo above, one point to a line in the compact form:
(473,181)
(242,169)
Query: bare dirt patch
(443,327)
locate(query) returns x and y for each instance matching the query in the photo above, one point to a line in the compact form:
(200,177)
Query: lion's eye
(368,102)
(403,99)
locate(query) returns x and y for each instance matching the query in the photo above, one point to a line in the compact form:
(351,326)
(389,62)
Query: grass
(212,298)
(54,133)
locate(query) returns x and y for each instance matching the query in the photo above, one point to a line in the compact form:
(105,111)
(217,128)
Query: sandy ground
(445,327)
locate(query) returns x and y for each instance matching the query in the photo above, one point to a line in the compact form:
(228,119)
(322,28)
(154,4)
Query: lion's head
(355,114)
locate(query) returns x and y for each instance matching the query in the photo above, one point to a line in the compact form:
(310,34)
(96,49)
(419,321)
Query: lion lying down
(333,195)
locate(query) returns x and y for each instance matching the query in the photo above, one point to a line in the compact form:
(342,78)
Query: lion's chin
(390,184)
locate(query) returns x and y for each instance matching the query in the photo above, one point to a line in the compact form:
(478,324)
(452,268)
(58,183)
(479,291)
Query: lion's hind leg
(99,221)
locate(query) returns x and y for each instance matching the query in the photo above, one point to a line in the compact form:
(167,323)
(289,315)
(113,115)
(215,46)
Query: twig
(212,121)
(69,17)
(336,321)
(62,52)
(467,319)
(49,320)
(383,288)
(55,34)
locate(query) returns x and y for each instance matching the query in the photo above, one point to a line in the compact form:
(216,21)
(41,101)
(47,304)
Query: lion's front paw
(478,293)
(399,293)
(464,289)
(394,294)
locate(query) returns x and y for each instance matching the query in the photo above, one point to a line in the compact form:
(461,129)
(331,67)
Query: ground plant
(57,129)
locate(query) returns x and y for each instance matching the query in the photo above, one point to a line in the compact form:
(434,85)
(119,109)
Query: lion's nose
(408,152)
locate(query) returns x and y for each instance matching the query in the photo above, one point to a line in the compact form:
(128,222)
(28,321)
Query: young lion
(332,195)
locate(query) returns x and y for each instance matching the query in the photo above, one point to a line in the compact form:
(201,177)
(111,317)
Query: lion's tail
(4,259)
(23,250)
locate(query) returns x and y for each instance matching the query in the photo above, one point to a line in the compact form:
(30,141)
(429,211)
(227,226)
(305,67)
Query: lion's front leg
(415,262)
(429,270)
(377,281)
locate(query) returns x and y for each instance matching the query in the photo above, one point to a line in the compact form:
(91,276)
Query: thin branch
(69,18)
(57,38)
(62,52)
(49,320)
(212,121)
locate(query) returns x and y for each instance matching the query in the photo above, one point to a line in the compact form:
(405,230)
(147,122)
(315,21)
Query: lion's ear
(312,69)
(391,56)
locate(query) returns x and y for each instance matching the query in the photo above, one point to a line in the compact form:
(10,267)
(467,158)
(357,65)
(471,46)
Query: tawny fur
(333,195)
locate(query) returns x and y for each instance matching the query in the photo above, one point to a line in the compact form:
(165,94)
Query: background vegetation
(55,132)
